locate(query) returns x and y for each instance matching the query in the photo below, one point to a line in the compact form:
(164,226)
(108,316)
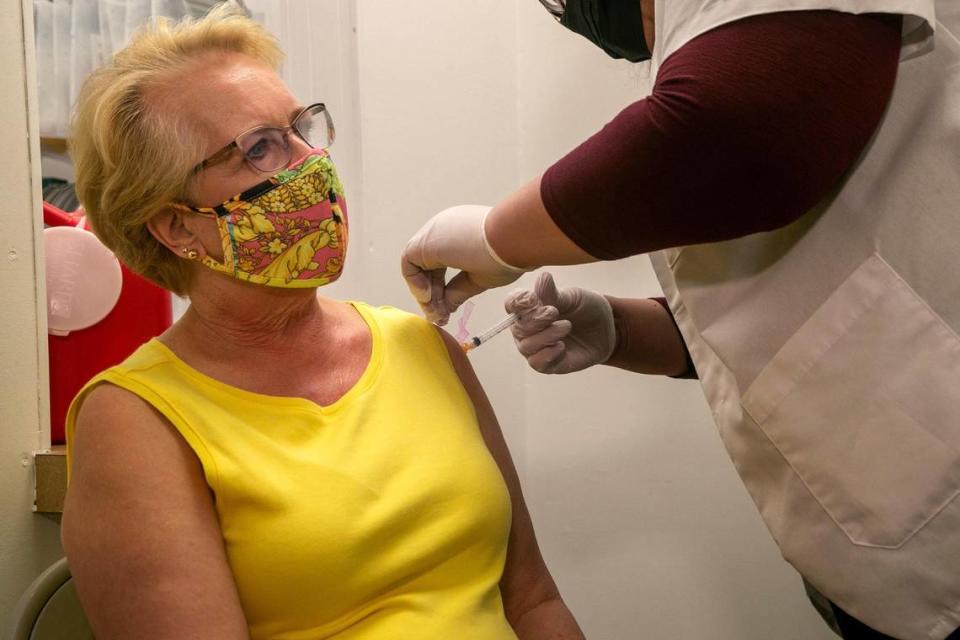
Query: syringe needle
(479,339)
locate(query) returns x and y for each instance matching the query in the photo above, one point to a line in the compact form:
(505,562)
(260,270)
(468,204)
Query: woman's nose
(298,146)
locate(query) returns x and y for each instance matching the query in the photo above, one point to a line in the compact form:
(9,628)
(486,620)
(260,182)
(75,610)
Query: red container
(143,311)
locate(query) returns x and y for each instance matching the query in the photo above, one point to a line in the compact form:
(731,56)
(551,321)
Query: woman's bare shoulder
(113,421)
(124,449)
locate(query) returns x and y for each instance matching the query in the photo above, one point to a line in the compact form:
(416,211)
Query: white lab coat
(829,352)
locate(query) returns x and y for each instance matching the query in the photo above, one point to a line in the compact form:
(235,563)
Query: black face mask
(616,26)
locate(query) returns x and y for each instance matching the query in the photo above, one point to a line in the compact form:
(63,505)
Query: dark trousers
(853,629)
(845,625)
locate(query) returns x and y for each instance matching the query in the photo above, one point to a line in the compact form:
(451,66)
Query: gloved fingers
(427,289)
(418,280)
(546,289)
(531,344)
(460,288)
(521,301)
(534,321)
(438,312)
(434,315)
(547,360)
(566,300)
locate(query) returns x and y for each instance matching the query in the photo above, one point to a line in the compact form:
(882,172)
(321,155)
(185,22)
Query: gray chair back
(49,609)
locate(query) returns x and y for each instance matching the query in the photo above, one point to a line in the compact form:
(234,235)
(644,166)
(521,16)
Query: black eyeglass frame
(220,155)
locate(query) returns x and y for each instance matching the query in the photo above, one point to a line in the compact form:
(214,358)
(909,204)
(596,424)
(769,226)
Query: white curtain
(311,33)
(75,36)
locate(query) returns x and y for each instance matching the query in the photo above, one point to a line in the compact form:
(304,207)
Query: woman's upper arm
(140,530)
(526,580)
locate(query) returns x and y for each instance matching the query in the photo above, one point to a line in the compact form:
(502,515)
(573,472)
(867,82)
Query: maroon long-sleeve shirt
(747,127)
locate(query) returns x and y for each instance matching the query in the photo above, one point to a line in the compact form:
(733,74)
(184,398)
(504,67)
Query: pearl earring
(190,253)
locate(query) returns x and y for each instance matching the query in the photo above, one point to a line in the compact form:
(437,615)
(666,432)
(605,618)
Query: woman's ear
(176,230)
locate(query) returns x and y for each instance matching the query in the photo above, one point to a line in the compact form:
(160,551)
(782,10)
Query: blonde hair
(132,161)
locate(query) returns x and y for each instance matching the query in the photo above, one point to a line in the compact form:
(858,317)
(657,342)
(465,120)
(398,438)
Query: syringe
(479,339)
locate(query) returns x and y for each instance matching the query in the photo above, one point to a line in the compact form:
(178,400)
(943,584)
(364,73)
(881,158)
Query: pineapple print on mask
(289,231)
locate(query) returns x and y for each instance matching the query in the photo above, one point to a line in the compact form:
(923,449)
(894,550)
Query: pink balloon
(83,279)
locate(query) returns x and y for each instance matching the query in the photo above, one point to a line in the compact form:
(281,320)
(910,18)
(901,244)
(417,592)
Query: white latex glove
(453,238)
(562,331)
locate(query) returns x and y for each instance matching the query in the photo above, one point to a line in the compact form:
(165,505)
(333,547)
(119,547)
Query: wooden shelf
(51,479)
(56,145)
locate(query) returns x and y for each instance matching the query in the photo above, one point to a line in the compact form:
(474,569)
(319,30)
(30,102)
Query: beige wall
(28,542)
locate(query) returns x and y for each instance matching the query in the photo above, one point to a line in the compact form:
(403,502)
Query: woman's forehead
(225,96)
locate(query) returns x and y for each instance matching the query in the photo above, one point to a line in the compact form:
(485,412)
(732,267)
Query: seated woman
(277,464)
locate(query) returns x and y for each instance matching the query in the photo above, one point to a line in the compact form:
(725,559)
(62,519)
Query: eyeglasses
(268,149)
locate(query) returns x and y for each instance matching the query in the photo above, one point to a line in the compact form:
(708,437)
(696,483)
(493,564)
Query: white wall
(28,542)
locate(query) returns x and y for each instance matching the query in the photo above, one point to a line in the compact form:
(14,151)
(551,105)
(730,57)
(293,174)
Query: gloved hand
(453,238)
(562,331)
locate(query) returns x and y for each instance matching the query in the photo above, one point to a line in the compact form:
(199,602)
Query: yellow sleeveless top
(382,516)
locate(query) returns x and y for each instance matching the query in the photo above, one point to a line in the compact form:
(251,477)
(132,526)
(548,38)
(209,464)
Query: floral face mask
(288,231)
